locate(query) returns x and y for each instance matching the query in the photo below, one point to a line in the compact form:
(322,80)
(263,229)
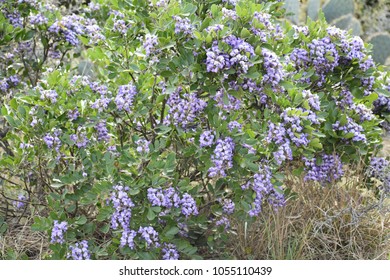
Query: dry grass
(21,242)
(345,221)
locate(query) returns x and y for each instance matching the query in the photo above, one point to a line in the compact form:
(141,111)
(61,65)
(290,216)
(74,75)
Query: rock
(293,9)
(380,47)
(348,22)
(313,7)
(333,9)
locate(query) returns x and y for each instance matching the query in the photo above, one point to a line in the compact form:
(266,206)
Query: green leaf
(81,220)
(151,215)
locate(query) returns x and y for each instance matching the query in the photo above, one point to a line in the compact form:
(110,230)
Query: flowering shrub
(191,113)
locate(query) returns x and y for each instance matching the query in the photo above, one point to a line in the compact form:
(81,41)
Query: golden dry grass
(343,221)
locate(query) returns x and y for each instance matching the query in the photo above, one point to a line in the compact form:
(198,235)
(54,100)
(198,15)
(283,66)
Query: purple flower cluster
(142,146)
(222,157)
(218,60)
(167,198)
(223,221)
(124,98)
(127,238)
(292,127)
(206,139)
(188,205)
(264,28)
(169,252)
(150,235)
(228,206)
(300,58)
(21,202)
(313,99)
(120,26)
(102,131)
(273,68)
(183,25)
(38,19)
(50,95)
(229,103)
(14,18)
(149,43)
(52,140)
(227,13)
(183,111)
(105,96)
(263,188)
(351,128)
(57,233)
(284,152)
(329,169)
(364,112)
(234,125)
(69,27)
(79,251)
(122,204)
(80,139)
(324,56)
(380,168)
(382,104)
(73,114)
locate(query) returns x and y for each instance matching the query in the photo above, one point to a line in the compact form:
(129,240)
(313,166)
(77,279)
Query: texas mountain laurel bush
(184,114)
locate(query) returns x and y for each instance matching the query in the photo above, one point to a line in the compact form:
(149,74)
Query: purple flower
(150,236)
(150,42)
(188,205)
(234,125)
(228,206)
(79,251)
(226,101)
(125,97)
(184,111)
(222,157)
(57,234)
(167,198)
(183,25)
(21,202)
(223,222)
(169,252)
(206,139)
(330,168)
(127,238)
(142,146)
(73,114)
(123,206)
(352,128)
(102,131)
(49,94)
(273,68)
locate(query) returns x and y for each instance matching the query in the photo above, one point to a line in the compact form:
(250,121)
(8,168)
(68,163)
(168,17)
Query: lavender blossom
(79,251)
(21,202)
(102,131)
(142,146)
(169,252)
(228,206)
(150,42)
(123,206)
(183,25)
(188,205)
(222,157)
(125,97)
(49,94)
(328,170)
(127,238)
(150,236)
(223,222)
(273,68)
(57,234)
(206,139)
